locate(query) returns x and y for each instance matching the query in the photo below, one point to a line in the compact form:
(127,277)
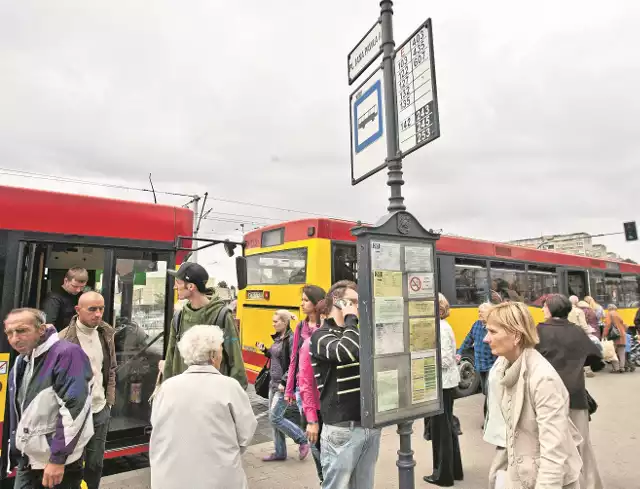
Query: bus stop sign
(399,334)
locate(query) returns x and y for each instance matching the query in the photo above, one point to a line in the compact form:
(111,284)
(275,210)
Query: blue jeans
(281,425)
(349,457)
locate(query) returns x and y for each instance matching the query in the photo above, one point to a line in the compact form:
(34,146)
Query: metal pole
(394,159)
(405,462)
(196,219)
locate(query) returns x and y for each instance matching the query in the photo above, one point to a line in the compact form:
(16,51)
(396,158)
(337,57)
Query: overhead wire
(30,174)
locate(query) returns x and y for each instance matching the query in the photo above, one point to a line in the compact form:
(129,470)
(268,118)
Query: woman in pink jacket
(296,382)
(310,395)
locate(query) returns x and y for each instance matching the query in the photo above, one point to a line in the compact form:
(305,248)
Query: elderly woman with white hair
(202,421)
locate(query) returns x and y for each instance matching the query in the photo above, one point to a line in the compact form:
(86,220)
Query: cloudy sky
(248,101)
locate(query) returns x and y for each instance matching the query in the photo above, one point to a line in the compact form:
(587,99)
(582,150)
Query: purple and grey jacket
(54,423)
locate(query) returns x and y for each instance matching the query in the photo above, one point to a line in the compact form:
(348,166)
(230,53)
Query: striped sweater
(335,353)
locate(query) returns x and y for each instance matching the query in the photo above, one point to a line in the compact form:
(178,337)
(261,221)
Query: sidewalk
(615,444)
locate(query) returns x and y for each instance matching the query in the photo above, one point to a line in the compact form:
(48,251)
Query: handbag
(614,333)
(592,405)
(263,380)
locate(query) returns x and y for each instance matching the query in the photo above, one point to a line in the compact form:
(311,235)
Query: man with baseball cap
(203,307)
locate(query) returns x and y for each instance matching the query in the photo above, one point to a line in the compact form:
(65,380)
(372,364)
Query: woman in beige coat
(202,421)
(542,441)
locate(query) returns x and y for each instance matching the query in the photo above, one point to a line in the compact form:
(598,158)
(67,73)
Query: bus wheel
(469,381)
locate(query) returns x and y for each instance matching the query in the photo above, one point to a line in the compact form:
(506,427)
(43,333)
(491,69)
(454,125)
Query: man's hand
(161,365)
(53,474)
(312,432)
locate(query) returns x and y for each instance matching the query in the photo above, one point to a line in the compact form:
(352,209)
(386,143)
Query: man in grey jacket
(50,404)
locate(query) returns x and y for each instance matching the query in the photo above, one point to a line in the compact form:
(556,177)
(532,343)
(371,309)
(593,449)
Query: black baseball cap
(193,273)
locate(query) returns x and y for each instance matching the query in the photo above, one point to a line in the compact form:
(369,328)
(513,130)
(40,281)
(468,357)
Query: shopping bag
(608,351)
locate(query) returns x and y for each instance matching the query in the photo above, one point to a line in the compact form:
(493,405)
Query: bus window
(612,290)
(577,283)
(542,281)
(344,264)
(472,282)
(278,267)
(630,295)
(508,280)
(598,289)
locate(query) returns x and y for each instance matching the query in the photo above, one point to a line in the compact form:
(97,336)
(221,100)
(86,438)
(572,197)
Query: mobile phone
(341,303)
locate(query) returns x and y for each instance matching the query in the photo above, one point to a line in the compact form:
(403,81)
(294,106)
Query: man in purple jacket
(50,404)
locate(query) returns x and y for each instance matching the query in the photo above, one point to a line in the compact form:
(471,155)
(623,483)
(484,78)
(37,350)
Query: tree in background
(222,284)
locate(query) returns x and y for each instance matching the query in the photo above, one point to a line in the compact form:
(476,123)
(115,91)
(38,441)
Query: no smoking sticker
(420,285)
(3,368)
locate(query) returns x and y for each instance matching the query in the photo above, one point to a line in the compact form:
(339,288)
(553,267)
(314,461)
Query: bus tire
(469,380)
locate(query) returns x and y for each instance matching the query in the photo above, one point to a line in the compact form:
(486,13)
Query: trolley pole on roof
(196,220)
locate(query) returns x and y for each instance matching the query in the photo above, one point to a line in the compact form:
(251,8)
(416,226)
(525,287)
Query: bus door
(574,282)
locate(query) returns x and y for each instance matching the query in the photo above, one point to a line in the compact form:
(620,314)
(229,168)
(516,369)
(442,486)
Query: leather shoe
(431,480)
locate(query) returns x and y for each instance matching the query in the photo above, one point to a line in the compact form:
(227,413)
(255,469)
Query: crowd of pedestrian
(536,408)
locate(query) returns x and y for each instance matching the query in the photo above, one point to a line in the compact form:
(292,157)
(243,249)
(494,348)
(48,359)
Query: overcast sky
(248,100)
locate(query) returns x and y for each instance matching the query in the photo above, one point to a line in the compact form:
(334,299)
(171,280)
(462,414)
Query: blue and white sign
(368,132)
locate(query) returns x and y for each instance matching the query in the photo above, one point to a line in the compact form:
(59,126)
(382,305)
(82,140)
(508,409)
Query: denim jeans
(349,457)
(94,451)
(27,478)
(281,425)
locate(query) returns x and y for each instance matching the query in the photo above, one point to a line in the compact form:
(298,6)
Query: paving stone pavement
(615,433)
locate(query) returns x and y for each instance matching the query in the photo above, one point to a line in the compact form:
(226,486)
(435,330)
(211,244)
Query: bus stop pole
(405,461)
(394,158)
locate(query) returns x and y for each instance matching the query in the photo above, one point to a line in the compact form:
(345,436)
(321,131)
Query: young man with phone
(349,451)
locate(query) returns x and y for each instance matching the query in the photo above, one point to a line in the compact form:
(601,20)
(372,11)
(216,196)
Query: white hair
(200,344)
(574,300)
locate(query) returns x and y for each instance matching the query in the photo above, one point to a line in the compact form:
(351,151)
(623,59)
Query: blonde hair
(444,307)
(592,302)
(284,315)
(515,318)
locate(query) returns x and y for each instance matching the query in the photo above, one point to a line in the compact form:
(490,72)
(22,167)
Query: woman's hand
(280,388)
(312,432)
(294,319)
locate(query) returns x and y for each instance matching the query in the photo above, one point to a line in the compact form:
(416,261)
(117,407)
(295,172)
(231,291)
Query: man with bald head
(95,337)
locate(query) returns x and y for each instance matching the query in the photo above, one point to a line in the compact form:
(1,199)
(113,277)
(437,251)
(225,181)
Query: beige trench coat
(202,423)
(541,439)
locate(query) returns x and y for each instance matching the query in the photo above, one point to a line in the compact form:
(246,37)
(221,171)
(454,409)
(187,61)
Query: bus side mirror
(241,272)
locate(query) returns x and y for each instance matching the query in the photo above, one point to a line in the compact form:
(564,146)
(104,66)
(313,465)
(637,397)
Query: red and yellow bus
(281,258)
(126,248)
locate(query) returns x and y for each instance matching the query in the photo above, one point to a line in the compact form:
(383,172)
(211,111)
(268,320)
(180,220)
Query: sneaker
(273,458)
(304,450)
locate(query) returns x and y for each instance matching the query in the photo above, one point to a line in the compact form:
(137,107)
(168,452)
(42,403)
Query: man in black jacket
(349,451)
(60,306)
(568,348)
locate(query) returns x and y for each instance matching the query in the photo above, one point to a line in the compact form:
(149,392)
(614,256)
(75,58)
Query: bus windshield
(278,267)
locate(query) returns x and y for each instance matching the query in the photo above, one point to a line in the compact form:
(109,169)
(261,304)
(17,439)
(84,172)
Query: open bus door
(573,282)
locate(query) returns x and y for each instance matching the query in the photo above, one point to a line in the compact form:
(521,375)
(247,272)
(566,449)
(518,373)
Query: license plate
(255,295)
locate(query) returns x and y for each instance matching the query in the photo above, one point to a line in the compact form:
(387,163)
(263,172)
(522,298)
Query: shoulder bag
(263,381)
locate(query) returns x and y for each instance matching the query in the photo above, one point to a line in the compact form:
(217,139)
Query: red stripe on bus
(253,358)
(123,452)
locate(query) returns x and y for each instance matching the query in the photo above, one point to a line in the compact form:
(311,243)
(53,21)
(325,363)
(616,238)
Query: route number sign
(416,95)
